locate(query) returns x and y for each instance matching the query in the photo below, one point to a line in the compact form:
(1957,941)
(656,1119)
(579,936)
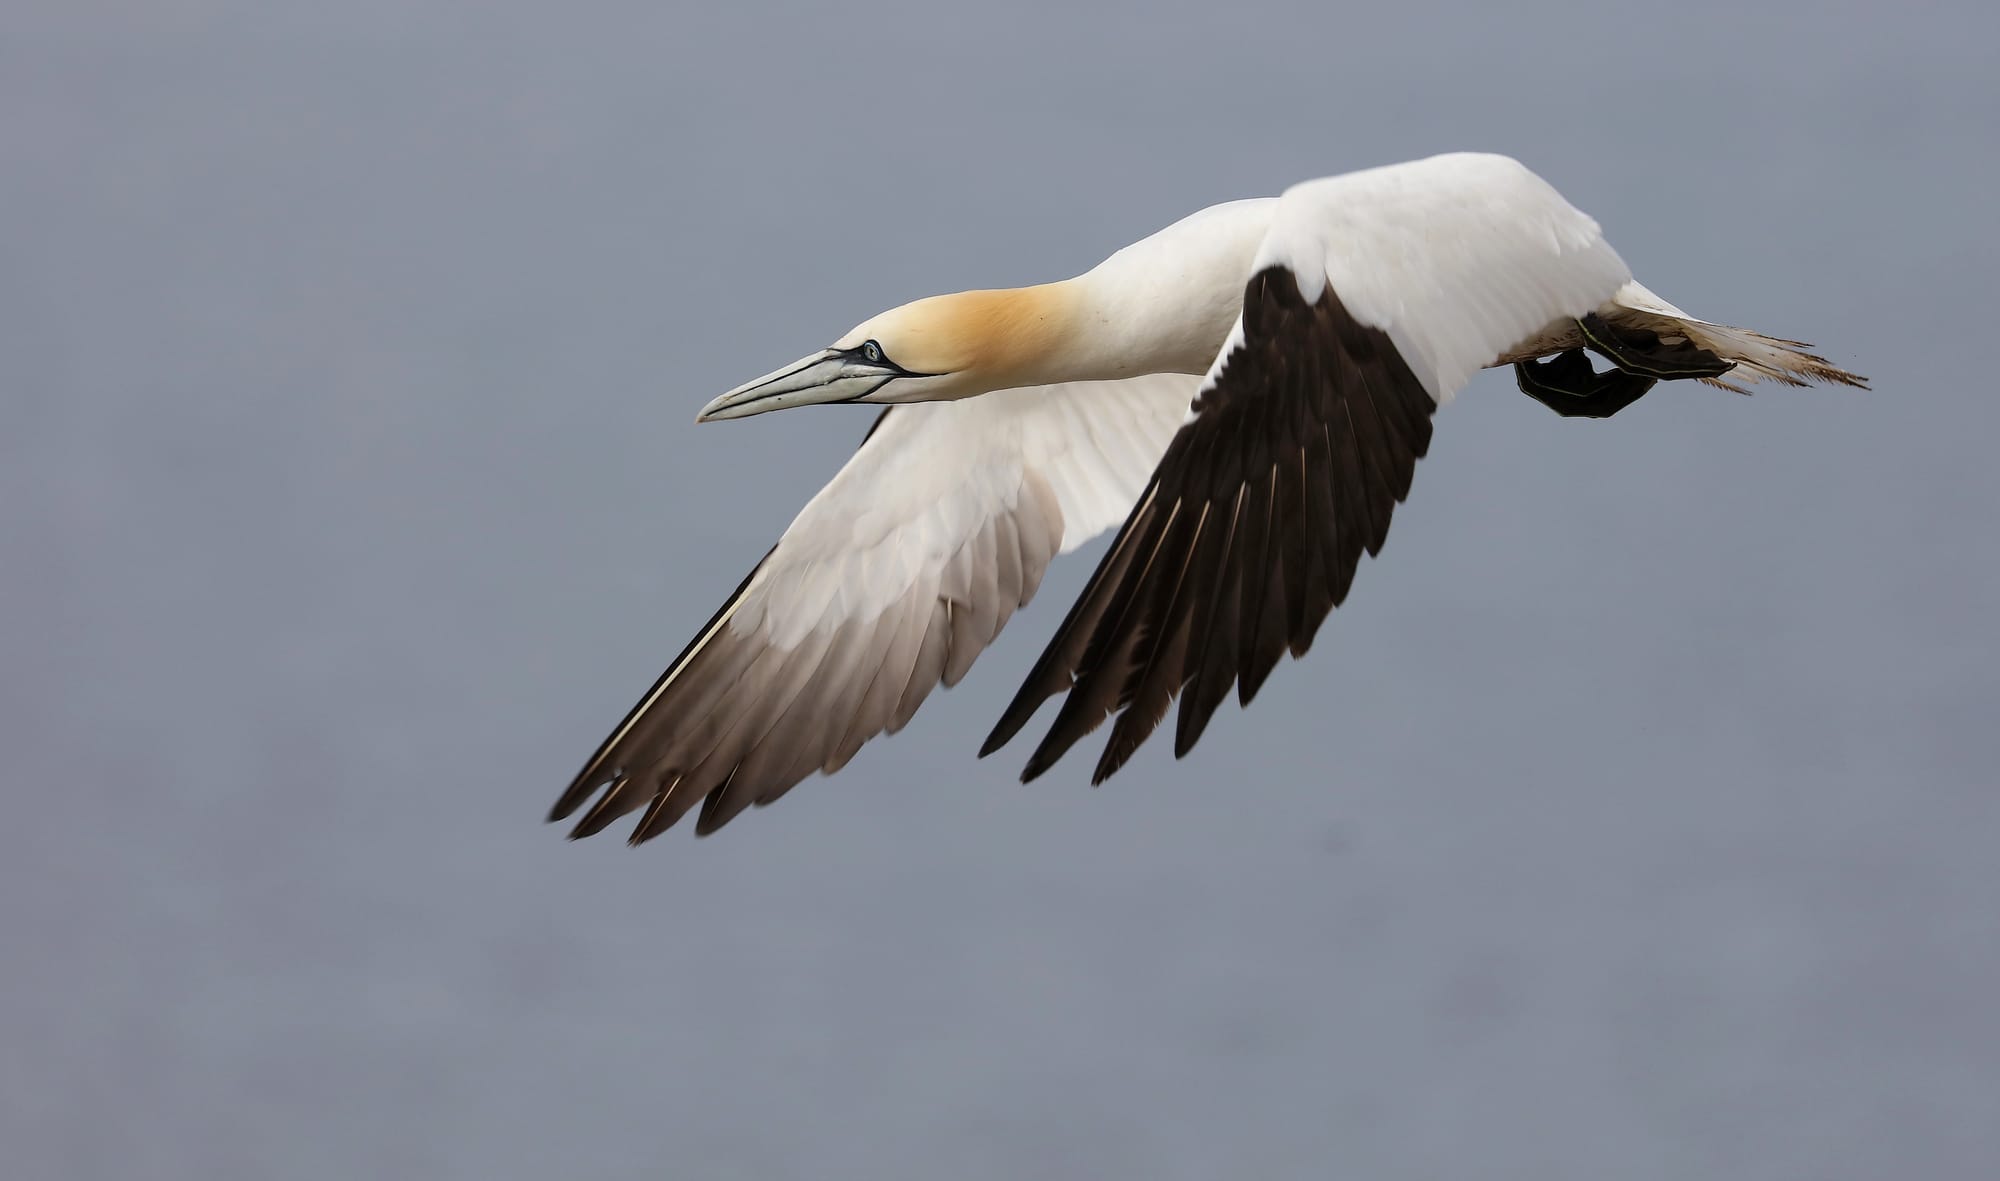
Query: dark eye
(872,353)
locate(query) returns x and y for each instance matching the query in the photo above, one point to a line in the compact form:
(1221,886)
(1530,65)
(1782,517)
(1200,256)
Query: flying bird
(1244,393)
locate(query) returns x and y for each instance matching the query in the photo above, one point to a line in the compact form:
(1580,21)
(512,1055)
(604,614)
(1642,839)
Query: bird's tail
(1757,357)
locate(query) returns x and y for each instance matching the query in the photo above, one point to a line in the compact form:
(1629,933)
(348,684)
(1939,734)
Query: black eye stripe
(871,352)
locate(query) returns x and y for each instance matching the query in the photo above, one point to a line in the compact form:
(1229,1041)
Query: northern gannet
(1248,390)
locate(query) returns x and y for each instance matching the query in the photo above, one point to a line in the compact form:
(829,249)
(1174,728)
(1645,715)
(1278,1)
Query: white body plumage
(1246,390)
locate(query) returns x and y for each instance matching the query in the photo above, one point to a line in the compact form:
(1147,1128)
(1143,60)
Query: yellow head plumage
(972,342)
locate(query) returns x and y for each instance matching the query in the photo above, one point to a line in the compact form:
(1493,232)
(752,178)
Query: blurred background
(1636,818)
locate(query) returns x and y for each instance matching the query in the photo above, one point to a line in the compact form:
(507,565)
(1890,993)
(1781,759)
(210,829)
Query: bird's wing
(1374,297)
(893,578)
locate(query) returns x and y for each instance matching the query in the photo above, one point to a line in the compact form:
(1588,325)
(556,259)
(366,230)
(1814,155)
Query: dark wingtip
(572,798)
(1026,704)
(1128,734)
(1108,764)
(1250,681)
(724,803)
(593,822)
(1191,722)
(1041,761)
(645,830)
(649,825)
(1000,737)
(606,810)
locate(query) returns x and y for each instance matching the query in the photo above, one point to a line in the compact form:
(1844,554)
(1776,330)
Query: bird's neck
(1164,304)
(1094,327)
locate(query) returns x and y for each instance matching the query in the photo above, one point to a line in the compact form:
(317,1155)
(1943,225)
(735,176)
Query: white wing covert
(892,579)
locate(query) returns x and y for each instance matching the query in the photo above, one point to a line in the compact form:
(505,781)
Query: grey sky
(1637,817)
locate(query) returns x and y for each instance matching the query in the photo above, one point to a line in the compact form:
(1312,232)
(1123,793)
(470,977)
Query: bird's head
(934,350)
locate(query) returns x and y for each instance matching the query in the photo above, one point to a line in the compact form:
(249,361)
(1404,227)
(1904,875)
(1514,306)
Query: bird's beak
(826,376)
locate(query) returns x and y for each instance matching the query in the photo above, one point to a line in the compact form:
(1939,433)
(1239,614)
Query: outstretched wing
(892,579)
(1374,297)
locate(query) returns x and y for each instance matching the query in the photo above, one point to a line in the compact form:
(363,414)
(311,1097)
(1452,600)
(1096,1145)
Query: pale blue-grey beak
(830,375)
